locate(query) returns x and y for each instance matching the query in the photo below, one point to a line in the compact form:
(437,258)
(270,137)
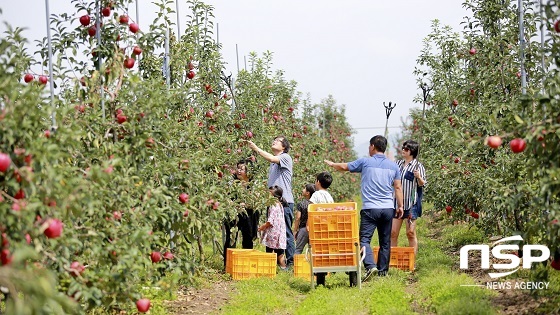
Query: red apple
(43,79)
(54,229)
(137,50)
(191,66)
(186,213)
(106,11)
(5,162)
(191,74)
(5,257)
(28,78)
(494,141)
(448,209)
(92,30)
(472,51)
(184,198)
(143,305)
(457,160)
(555,262)
(129,63)
(474,215)
(76,268)
(168,255)
(156,257)
(121,119)
(557,26)
(117,215)
(209,114)
(517,145)
(249,134)
(133,27)
(85,20)
(455,103)
(28,238)
(20,194)
(123,19)
(216,205)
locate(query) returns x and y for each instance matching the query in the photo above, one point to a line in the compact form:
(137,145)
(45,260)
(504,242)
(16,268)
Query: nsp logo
(528,259)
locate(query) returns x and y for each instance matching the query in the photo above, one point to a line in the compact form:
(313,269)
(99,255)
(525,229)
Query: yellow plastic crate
(302,269)
(401,257)
(252,264)
(341,252)
(333,224)
(234,251)
(337,206)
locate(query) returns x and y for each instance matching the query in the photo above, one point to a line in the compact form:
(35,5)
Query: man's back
(378,175)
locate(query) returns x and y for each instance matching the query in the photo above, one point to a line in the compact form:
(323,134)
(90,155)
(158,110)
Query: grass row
(435,288)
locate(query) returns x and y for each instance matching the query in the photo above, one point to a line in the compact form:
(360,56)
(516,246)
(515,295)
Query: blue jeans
(382,219)
(290,242)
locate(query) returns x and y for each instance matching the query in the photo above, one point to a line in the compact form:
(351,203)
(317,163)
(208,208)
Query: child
(321,195)
(274,229)
(300,226)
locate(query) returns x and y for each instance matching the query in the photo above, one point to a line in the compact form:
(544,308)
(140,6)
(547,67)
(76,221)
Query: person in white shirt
(321,195)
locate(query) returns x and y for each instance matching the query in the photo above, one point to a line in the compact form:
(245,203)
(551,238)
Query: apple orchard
(88,207)
(127,176)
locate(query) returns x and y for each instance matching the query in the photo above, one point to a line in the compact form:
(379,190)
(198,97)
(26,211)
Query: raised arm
(267,156)
(337,166)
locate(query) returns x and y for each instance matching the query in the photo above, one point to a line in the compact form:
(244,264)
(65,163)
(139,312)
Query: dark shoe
(368,273)
(382,273)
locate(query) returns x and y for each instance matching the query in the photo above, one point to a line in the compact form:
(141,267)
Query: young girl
(300,226)
(274,230)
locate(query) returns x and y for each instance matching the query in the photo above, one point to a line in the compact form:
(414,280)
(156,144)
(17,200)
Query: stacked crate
(250,263)
(333,230)
(301,267)
(401,257)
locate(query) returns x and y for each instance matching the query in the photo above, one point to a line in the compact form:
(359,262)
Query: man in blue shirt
(381,182)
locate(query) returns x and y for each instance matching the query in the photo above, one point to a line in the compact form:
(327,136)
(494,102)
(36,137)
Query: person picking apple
(280,174)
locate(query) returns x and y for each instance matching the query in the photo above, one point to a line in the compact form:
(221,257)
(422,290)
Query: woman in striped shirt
(413,175)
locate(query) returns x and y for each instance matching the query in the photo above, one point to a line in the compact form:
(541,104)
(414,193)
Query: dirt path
(201,301)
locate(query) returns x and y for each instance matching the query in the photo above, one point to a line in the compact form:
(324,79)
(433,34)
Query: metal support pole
(237,57)
(388,110)
(522,48)
(178,21)
(541,7)
(99,59)
(51,83)
(138,57)
(166,67)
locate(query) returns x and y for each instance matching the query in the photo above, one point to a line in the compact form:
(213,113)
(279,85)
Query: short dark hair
(379,142)
(325,179)
(285,143)
(412,146)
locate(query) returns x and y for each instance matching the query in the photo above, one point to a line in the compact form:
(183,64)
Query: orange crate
(252,264)
(229,256)
(302,269)
(332,224)
(401,257)
(341,252)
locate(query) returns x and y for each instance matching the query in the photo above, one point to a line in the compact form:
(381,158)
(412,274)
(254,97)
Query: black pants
(248,224)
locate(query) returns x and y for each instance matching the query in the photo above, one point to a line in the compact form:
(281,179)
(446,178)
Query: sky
(361,52)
